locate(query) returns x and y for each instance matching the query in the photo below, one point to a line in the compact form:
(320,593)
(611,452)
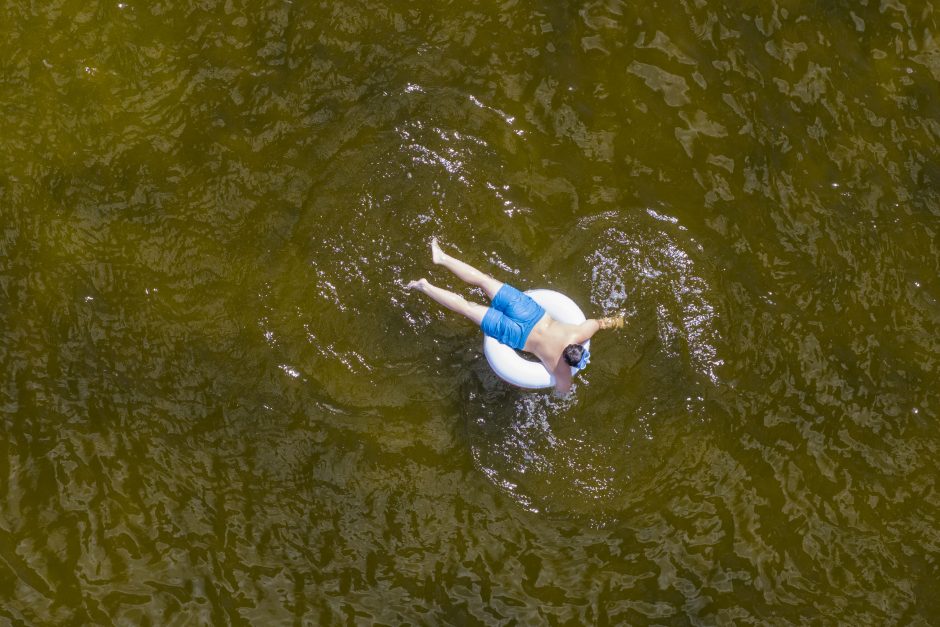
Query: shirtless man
(516,320)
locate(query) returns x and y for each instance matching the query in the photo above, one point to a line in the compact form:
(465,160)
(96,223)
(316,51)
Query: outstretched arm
(588,328)
(562,374)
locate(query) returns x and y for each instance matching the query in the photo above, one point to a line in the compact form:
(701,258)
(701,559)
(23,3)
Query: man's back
(548,340)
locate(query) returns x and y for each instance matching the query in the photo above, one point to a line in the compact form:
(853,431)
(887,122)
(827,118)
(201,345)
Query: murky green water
(219,404)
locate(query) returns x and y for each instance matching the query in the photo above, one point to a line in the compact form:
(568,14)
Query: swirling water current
(220,405)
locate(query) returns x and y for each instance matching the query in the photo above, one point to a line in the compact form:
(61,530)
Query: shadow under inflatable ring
(512,367)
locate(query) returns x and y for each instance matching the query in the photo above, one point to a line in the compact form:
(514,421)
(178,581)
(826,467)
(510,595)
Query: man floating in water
(516,320)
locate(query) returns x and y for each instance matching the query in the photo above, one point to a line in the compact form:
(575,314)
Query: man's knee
(492,287)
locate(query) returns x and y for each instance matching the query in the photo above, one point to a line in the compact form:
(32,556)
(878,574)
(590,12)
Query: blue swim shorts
(511,317)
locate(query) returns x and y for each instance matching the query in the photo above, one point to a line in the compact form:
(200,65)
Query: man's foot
(417,285)
(437,255)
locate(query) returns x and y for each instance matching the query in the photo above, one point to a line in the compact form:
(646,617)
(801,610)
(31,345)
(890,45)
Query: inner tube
(512,367)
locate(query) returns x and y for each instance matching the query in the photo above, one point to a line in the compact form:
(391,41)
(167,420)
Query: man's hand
(611,323)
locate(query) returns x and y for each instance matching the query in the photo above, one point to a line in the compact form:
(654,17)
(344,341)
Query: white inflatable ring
(513,367)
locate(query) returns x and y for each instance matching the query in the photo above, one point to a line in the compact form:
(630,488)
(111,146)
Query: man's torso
(548,340)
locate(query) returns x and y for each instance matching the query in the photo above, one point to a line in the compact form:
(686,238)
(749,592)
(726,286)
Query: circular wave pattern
(585,458)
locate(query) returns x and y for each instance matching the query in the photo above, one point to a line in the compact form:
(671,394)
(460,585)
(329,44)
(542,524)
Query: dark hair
(572,354)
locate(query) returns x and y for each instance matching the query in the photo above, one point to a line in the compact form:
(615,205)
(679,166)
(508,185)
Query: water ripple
(222,406)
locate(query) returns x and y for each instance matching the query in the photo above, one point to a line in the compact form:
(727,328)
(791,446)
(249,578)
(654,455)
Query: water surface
(222,406)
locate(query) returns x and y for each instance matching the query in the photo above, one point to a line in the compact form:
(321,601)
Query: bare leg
(465,271)
(454,302)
